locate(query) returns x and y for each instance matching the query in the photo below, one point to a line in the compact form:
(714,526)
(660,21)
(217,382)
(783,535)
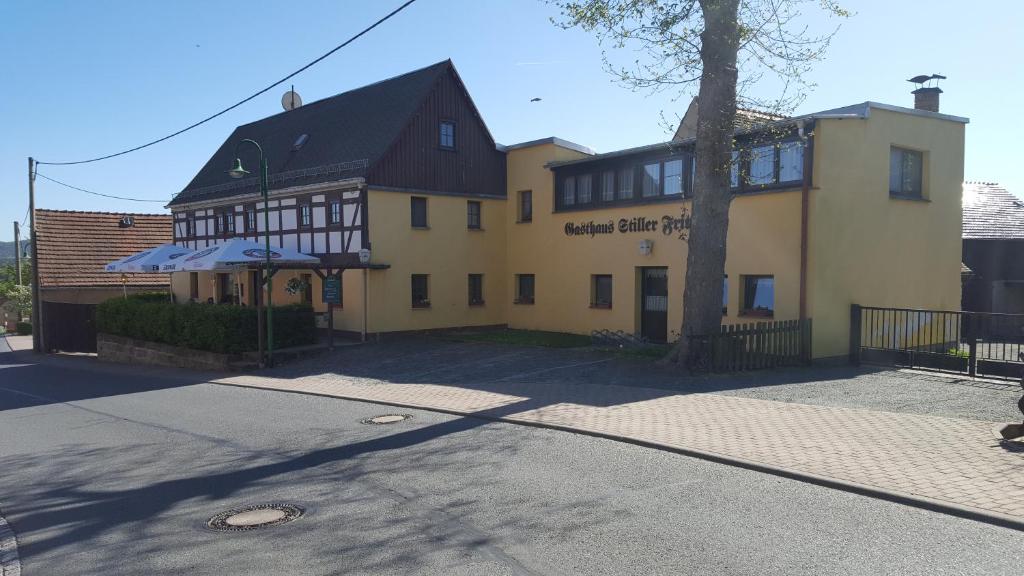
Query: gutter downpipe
(805,194)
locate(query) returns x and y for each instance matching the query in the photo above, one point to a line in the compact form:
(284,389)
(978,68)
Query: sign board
(332,289)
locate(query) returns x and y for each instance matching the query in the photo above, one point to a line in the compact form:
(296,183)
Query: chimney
(927,98)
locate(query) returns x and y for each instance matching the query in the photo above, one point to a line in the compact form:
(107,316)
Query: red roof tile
(73,247)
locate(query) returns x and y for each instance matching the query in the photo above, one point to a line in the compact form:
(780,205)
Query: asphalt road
(111,470)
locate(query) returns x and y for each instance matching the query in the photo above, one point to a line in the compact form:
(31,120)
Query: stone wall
(123,350)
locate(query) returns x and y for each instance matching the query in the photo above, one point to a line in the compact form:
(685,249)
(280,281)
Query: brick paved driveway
(903,451)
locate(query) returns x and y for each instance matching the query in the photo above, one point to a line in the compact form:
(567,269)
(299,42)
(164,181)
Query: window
(473,215)
(305,219)
(608,186)
(419,211)
(583,188)
(335,212)
(601,291)
(734,170)
(569,191)
(476,289)
(791,161)
(905,167)
(762,165)
(420,296)
(725,295)
(250,220)
(625,191)
(651,185)
(526,206)
(229,223)
(218,219)
(193,285)
(673,177)
(447,133)
(758,296)
(524,289)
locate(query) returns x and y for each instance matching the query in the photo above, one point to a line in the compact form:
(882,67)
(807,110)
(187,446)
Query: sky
(84,79)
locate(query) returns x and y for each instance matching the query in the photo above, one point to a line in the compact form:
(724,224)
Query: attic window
(447,133)
(300,142)
(126,222)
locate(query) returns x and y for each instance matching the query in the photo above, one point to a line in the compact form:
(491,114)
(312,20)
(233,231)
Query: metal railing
(971,343)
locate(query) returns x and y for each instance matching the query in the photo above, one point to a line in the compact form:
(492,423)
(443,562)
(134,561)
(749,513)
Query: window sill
(601,306)
(420,227)
(476,304)
(530,221)
(477,229)
(908,197)
(756,314)
(421,306)
(523,302)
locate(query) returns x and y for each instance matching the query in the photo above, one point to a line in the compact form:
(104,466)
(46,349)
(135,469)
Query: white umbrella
(162,259)
(237,253)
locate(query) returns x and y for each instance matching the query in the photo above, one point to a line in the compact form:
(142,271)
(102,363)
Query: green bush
(23,328)
(217,328)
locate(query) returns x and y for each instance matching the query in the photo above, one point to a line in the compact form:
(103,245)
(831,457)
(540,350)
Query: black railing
(740,347)
(971,343)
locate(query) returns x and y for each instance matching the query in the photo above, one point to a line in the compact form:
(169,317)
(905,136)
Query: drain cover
(386,419)
(253,517)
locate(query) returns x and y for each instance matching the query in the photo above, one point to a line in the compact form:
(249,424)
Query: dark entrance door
(69,327)
(654,304)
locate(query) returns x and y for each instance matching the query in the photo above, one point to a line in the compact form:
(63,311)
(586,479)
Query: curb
(970,513)
(10,565)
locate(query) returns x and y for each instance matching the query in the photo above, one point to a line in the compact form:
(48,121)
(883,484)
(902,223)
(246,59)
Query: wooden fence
(740,347)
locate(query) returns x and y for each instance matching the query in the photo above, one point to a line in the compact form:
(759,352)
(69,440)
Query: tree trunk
(716,101)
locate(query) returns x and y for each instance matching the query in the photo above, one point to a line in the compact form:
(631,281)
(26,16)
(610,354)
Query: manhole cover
(253,517)
(386,419)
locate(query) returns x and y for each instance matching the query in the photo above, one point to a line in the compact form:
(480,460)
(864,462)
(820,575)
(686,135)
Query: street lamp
(238,172)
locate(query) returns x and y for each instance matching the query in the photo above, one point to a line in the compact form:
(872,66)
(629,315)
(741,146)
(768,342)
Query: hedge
(212,327)
(23,328)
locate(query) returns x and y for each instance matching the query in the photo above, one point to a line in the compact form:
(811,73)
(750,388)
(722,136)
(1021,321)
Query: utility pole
(37,312)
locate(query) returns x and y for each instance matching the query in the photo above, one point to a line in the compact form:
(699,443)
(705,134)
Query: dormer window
(447,134)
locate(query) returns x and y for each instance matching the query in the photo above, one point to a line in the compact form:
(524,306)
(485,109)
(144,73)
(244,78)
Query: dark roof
(347,133)
(73,247)
(991,212)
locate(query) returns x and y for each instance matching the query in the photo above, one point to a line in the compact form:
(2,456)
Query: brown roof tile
(73,247)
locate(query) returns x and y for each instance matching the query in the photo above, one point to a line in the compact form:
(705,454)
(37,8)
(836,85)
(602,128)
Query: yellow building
(548,235)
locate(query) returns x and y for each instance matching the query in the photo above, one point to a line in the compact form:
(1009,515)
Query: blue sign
(332,289)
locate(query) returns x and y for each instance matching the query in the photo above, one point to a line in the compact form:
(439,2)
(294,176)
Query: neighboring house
(548,235)
(73,248)
(993,249)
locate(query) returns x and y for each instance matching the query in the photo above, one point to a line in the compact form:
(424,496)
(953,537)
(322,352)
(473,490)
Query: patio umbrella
(158,260)
(161,259)
(237,253)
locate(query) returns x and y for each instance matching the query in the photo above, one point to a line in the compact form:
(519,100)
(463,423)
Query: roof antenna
(291,99)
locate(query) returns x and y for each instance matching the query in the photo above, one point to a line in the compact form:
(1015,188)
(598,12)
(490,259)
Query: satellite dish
(291,100)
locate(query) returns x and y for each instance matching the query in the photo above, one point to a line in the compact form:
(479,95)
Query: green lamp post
(238,172)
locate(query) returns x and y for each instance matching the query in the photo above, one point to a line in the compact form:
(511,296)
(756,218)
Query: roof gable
(73,247)
(349,131)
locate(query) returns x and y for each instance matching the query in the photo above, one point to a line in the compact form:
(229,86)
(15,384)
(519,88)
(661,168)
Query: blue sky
(83,79)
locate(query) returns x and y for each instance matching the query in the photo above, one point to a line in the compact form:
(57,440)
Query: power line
(96,193)
(239,103)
